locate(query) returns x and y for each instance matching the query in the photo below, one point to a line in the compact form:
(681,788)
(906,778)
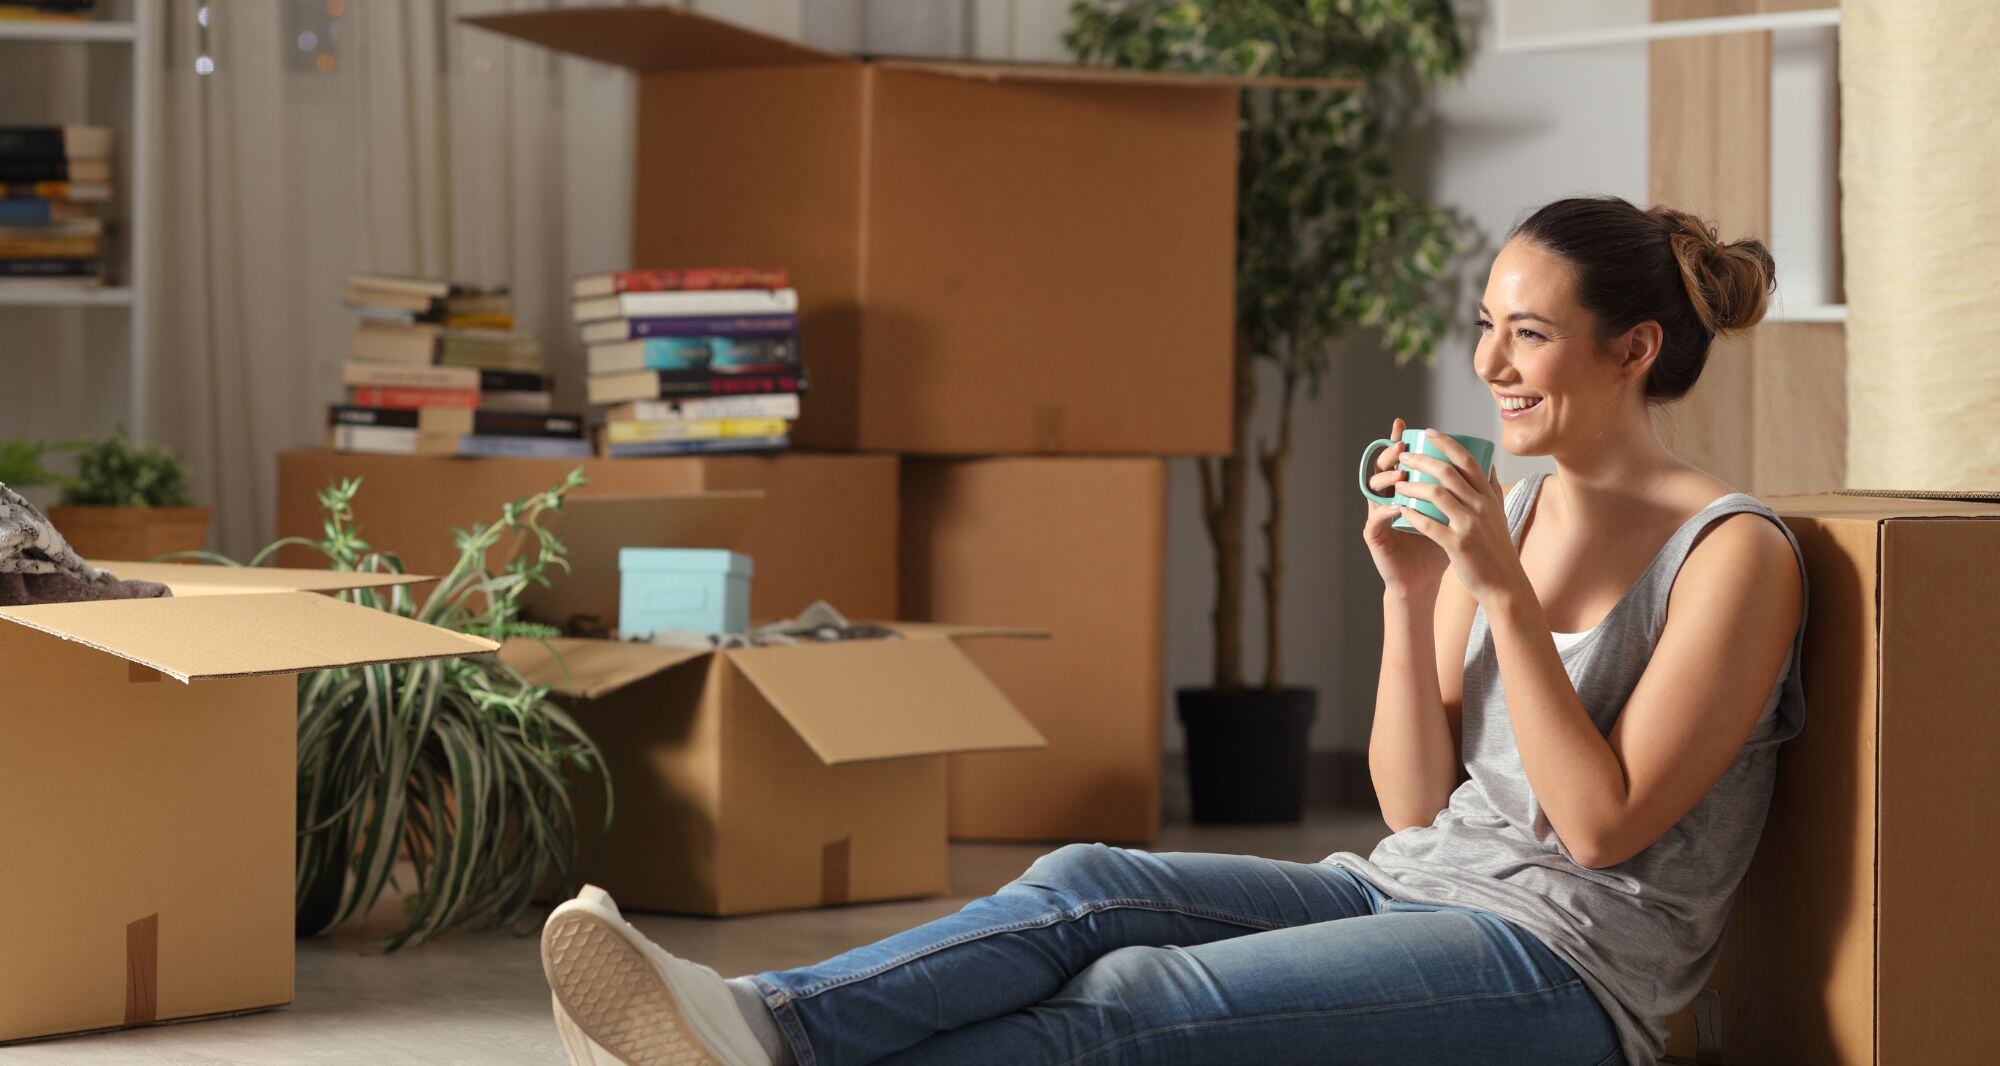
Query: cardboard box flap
(653,38)
(947,630)
(1078,74)
(594,528)
(186,580)
(853,701)
(1977,495)
(1873,506)
(197,637)
(588,669)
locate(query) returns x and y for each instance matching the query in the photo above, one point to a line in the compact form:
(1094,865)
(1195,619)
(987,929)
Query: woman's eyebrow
(1521,316)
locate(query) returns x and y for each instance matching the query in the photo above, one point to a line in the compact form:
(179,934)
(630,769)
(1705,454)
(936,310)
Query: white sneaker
(620,998)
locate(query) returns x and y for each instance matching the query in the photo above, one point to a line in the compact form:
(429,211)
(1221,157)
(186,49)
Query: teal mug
(1416,443)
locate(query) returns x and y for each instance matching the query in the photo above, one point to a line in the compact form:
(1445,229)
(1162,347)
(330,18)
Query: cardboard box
(991,258)
(1863,931)
(827,528)
(1075,547)
(769,778)
(148,788)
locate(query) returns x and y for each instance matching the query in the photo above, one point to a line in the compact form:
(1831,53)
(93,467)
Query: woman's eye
(1483,324)
(1529,334)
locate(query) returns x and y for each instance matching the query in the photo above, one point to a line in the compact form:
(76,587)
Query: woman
(1555,907)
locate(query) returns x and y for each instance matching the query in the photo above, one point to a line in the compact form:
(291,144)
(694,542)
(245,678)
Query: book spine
(32,142)
(363,415)
(389,376)
(524,424)
(36,170)
(414,398)
(49,190)
(693,280)
(782,405)
(28,209)
(693,447)
(676,384)
(512,381)
(524,447)
(708,303)
(382,440)
(694,429)
(49,268)
(713,325)
(66,247)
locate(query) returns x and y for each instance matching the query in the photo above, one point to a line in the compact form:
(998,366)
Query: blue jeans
(1108,955)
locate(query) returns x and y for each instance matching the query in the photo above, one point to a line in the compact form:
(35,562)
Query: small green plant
(117,471)
(459,766)
(21,464)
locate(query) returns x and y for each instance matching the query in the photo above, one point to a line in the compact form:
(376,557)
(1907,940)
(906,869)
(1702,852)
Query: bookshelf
(118,52)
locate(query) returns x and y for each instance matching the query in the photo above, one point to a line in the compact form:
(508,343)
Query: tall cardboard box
(148,786)
(762,778)
(826,529)
(991,258)
(1075,547)
(1864,930)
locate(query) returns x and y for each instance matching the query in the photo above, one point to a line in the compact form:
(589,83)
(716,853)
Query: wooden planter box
(131,533)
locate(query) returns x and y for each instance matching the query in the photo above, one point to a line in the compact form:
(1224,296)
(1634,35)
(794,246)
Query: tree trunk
(1271,463)
(1222,484)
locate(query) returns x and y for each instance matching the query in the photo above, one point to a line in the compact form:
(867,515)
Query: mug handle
(1367,461)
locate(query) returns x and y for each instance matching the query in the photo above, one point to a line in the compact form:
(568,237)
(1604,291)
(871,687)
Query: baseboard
(1335,780)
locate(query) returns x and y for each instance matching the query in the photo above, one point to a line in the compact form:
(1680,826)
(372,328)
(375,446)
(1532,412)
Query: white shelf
(106,32)
(1667,29)
(58,295)
(1810,313)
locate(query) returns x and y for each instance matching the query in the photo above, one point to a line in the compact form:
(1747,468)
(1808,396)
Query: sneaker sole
(615,996)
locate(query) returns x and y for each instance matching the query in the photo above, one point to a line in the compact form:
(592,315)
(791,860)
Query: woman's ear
(1637,349)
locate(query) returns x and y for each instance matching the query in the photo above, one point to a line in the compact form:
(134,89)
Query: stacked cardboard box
(1015,263)
(436,367)
(692,361)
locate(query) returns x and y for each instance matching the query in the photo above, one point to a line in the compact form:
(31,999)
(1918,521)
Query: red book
(408,398)
(614,282)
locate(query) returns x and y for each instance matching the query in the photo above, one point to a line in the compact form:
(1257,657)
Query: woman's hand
(1408,565)
(1477,540)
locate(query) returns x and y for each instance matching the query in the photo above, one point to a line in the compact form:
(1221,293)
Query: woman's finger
(1454,508)
(1448,476)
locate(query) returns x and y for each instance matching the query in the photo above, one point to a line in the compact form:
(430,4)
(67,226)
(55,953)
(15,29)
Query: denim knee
(1073,872)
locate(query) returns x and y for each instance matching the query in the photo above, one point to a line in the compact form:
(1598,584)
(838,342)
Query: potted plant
(458,767)
(1327,244)
(126,500)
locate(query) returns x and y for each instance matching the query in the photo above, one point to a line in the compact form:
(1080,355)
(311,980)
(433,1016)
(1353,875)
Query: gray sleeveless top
(1643,934)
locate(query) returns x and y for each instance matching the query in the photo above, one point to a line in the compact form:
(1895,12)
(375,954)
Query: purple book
(625,329)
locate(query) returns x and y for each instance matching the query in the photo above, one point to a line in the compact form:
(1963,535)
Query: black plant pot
(1247,752)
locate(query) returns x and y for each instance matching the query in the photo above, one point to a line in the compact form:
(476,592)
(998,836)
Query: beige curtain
(354,135)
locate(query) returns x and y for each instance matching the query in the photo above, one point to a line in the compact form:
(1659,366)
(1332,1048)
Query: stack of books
(51,178)
(46,10)
(435,368)
(692,360)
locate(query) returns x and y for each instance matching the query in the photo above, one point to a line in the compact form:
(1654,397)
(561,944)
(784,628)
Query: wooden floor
(480,998)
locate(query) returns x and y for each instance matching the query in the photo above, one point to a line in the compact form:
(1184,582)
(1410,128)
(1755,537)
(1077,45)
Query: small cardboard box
(978,543)
(768,778)
(148,787)
(991,258)
(1863,931)
(826,529)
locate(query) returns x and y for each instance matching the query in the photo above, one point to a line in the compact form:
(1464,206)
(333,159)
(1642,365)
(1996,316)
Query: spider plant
(458,766)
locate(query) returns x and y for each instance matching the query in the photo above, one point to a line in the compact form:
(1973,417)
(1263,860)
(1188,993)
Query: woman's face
(1538,348)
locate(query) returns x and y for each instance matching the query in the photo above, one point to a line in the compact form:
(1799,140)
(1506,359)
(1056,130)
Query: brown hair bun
(1729,285)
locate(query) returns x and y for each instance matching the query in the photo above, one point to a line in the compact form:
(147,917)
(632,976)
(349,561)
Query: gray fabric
(1643,934)
(763,1025)
(37,565)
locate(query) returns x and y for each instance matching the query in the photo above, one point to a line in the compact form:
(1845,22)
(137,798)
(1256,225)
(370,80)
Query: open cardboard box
(991,258)
(148,787)
(771,778)
(1863,931)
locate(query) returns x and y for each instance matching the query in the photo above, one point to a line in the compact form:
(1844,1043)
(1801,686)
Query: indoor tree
(1328,241)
